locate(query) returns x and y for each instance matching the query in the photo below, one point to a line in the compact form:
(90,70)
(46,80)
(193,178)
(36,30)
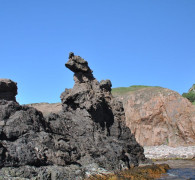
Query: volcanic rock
(159,116)
(106,84)
(88,136)
(8,89)
(98,119)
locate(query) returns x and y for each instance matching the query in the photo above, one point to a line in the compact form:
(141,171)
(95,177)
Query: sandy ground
(167,152)
(47,108)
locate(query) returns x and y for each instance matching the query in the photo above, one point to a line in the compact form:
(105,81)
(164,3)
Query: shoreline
(164,152)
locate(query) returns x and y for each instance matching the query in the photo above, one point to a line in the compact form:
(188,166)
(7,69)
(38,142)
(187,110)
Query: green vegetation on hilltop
(190,95)
(123,90)
(193,87)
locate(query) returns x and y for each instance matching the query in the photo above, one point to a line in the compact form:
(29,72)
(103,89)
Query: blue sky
(130,42)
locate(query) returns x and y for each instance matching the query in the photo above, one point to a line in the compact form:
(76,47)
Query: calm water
(181,170)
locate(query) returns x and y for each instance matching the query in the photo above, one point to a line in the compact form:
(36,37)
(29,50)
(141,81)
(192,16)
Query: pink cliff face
(159,116)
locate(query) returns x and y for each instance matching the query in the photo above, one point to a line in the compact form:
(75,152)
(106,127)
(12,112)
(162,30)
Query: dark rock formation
(106,84)
(88,136)
(8,90)
(98,120)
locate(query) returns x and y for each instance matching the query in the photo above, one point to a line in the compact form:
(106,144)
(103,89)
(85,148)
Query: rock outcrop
(8,90)
(88,136)
(159,116)
(96,119)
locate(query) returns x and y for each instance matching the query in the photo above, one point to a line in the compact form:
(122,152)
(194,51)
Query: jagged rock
(77,64)
(106,84)
(98,119)
(88,134)
(8,89)
(42,173)
(159,116)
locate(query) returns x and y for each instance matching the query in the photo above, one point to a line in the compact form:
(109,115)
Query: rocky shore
(149,172)
(167,152)
(87,136)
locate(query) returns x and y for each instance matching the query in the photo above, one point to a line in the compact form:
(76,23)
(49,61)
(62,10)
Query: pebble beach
(167,152)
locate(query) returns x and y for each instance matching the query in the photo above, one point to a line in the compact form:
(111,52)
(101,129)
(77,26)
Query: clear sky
(130,42)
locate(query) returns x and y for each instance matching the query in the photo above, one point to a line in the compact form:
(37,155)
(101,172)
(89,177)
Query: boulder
(159,116)
(8,90)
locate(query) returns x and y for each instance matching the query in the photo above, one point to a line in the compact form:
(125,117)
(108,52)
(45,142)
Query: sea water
(180,170)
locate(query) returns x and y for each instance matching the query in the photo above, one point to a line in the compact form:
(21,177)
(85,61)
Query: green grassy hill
(124,90)
(190,95)
(192,88)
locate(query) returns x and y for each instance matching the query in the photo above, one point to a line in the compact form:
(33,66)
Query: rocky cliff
(169,122)
(88,136)
(159,116)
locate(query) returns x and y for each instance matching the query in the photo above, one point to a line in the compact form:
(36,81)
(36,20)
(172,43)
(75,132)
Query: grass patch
(123,90)
(193,103)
